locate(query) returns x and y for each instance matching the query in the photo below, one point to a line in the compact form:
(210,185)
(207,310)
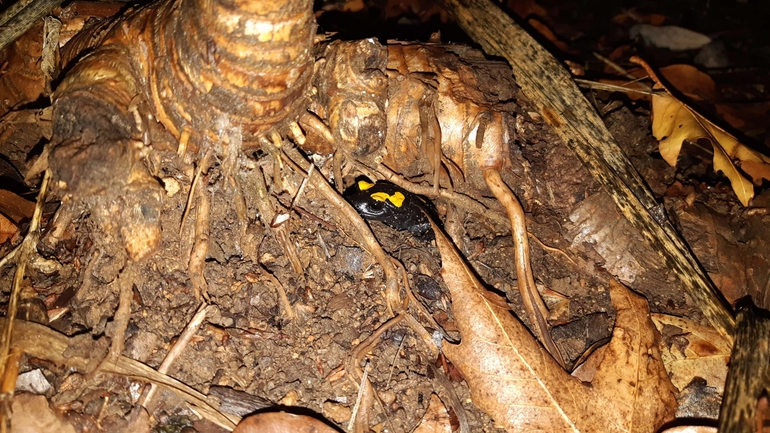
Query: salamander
(390,204)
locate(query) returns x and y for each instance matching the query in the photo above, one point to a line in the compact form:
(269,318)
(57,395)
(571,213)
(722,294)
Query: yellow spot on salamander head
(364,185)
(380,196)
(397,199)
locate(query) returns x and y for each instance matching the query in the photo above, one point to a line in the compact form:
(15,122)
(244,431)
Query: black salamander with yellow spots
(390,204)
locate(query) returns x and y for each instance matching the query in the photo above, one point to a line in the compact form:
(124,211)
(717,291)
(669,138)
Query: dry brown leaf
(673,122)
(15,207)
(436,418)
(514,379)
(639,17)
(7,229)
(547,33)
(750,118)
(690,429)
(33,414)
(691,82)
(281,422)
(690,349)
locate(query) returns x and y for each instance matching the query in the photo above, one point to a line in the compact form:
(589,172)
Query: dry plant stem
(11,372)
(533,303)
(201,246)
(72,352)
(184,339)
(551,89)
(267,214)
(319,182)
(10,375)
(620,70)
(362,387)
(610,87)
(284,238)
(27,247)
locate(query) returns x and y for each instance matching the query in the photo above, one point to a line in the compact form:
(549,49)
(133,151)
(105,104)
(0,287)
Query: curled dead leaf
(690,349)
(280,422)
(436,418)
(516,381)
(673,122)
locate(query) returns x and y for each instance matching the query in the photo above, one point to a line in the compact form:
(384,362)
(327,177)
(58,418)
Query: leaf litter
(516,381)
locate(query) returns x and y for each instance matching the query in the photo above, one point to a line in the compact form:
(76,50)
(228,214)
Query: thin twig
(282,295)
(588,84)
(184,339)
(458,199)
(42,342)
(27,246)
(361,388)
(620,70)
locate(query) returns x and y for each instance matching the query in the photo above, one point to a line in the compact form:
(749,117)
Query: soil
(248,346)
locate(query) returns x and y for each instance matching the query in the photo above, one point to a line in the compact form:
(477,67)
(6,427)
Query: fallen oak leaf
(690,349)
(673,122)
(517,382)
(436,419)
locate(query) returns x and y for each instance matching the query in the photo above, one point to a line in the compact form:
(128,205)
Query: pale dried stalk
(10,359)
(184,339)
(201,246)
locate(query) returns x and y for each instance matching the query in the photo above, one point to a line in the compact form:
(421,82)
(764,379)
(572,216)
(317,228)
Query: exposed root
(533,303)
(72,352)
(203,167)
(125,283)
(552,249)
(201,245)
(413,323)
(287,308)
